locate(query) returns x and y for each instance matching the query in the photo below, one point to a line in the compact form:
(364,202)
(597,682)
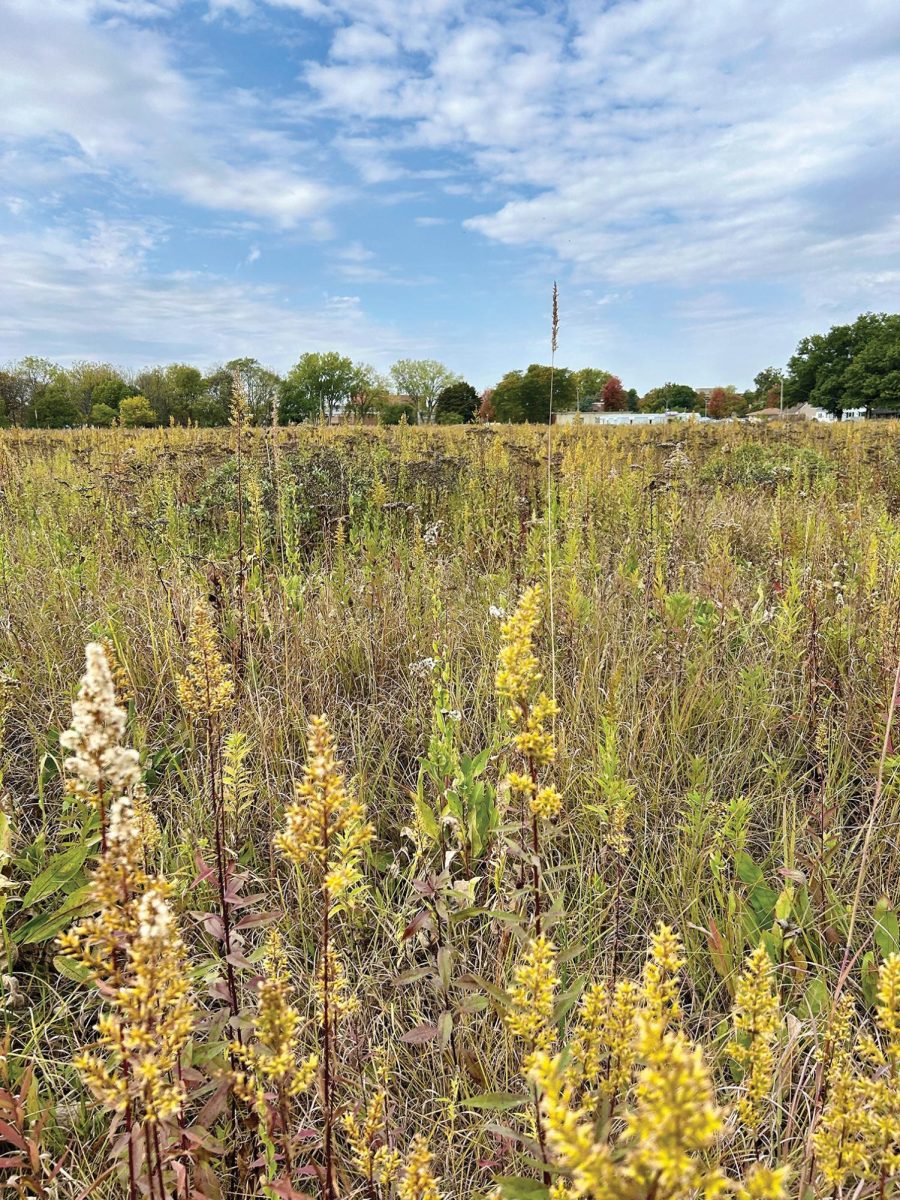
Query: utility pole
(781,404)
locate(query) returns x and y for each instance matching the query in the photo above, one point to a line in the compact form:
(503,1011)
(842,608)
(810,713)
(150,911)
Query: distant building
(623,418)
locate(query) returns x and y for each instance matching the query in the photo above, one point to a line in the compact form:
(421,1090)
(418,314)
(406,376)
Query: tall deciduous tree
(525,395)
(423,380)
(849,365)
(589,384)
(613,395)
(320,384)
(671,397)
(457,403)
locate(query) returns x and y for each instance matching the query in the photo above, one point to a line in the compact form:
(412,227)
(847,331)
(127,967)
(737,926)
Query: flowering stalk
(206,692)
(326,831)
(528,710)
(102,768)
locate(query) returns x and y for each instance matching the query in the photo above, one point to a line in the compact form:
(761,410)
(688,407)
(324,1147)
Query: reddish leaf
(420,1035)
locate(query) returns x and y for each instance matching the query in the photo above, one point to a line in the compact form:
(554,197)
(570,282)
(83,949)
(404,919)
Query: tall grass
(379,1015)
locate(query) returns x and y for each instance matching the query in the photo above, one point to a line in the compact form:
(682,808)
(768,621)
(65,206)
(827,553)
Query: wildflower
(518,672)
(531,997)
(152,1017)
(569,1134)
(373,1159)
(589,1040)
(100,942)
(206,689)
(325,827)
(417,1181)
(756,1020)
(621,1031)
(102,767)
(764,1183)
(546,803)
(496,612)
(674,1118)
(272,1058)
(659,993)
(342,1002)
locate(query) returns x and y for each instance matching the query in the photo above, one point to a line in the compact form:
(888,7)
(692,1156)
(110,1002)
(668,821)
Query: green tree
(260,387)
(850,365)
(671,397)
(423,380)
(54,407)
(184,390)
(589,384)
(154,384)
(14,395)
(137,412)
(457,403)
(767,388)
(320,384)
(525,395)
(93,383)
(102,415)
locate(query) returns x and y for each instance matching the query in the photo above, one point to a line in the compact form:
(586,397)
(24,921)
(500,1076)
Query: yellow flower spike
(674,1118)
(757,1020)
(660,982)
(531,997)
(206,689)
(764,1183)
(518,672)
(325,827)
(418,1181)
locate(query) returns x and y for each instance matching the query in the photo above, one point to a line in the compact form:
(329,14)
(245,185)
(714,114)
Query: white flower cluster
(98,759)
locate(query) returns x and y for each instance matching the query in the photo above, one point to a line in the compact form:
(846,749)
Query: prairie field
(443,813)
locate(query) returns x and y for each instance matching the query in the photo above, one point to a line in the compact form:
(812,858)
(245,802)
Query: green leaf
(497,1101)
(63,867)
(427,819)
(747,870)
(515,1187)
(816,997)
(568,999)
(869,971)
(47,925)
(887,928)
(70,969)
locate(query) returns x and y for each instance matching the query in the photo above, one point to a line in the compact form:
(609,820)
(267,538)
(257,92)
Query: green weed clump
(339,874)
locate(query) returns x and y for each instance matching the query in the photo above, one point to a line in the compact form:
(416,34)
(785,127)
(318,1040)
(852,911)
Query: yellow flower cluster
(667,1132)
(325,827)
(531,997)
(518,671)
(206,689)
(858,1135)
(272,1058)
(674,1118)
(757,1020)
(660,983)
(100,942)
(528,710)
(418,1181)
(342,1001)
(371,1157)
(152,1018)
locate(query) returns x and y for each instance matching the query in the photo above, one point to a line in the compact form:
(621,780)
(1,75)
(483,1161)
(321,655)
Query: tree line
(851,366)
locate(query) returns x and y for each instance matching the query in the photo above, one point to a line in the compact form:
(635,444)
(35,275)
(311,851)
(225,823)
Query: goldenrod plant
(707,1005)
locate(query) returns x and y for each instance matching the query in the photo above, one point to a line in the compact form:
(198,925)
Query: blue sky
(193,180)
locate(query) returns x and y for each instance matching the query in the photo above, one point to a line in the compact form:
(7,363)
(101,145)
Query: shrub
(136,412)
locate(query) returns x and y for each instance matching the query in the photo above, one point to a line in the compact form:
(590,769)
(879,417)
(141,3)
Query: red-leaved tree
(613,395)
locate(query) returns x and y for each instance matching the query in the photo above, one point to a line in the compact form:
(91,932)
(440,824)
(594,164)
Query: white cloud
(644,141)
(75,296)
(83,96)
